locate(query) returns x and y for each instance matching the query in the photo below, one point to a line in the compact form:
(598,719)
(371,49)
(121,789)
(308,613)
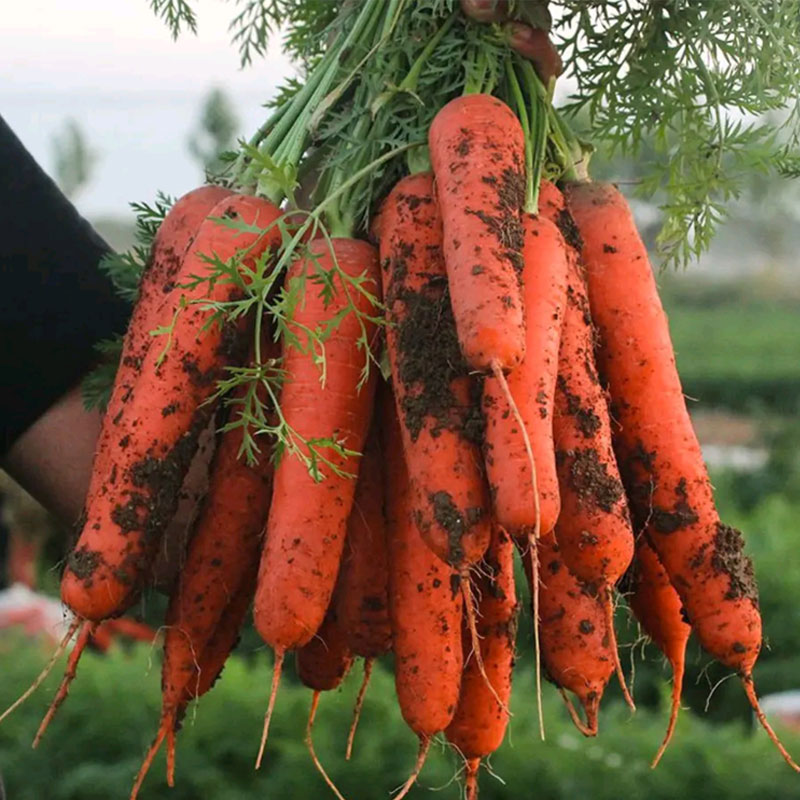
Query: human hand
(530,40)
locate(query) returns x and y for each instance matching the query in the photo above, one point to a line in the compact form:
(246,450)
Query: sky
(113,67)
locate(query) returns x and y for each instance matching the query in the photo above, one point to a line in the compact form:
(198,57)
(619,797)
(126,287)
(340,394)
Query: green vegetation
(735,349)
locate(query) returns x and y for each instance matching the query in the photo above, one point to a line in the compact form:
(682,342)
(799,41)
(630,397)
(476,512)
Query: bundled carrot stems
(406,310)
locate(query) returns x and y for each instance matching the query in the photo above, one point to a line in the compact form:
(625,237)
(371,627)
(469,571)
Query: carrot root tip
(358,706)
(424,747)
(750,691)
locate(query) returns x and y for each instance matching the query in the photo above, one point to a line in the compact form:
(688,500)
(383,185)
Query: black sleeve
(54,302)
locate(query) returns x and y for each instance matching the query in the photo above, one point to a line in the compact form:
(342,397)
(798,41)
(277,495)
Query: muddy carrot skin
(594,531)
(155,435)
(665,475)
(480,722)
(576,648)
(304,540)
(477,148)
(436,403)
(426,621)
(174,237)
(532,385)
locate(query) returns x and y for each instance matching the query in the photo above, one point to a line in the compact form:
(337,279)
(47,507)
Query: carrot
(220,566)
(480,721)
(658,608)
(208,667)
(595,534)
(477,148)
(425,608)
(322,665)
(576,647)
(155,434)
(435,401)
(532,385)
(172,240)
(308,519)
(665,476)
(362,602)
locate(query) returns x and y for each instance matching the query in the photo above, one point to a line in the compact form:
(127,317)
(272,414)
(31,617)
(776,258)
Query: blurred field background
(735,320)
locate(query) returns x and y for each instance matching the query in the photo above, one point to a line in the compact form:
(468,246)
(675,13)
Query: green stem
(541,106)
(474,82)
(522,113)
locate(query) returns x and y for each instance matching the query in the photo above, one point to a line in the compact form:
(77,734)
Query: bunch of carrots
(528,401)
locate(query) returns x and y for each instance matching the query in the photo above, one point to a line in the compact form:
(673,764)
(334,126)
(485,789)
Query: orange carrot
(220,566)
(362,601)
(532,385)
(305,538)
(172,240)
(665,476)
(480,721)
(155,434)
(425,608)
(477,148)
(658,608)
(594,532)
(208,667)
(435,401)
(576,647)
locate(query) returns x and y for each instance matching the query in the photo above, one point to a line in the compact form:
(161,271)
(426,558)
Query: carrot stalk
(85,634)
(40,678)
(362,692)
(277,668)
